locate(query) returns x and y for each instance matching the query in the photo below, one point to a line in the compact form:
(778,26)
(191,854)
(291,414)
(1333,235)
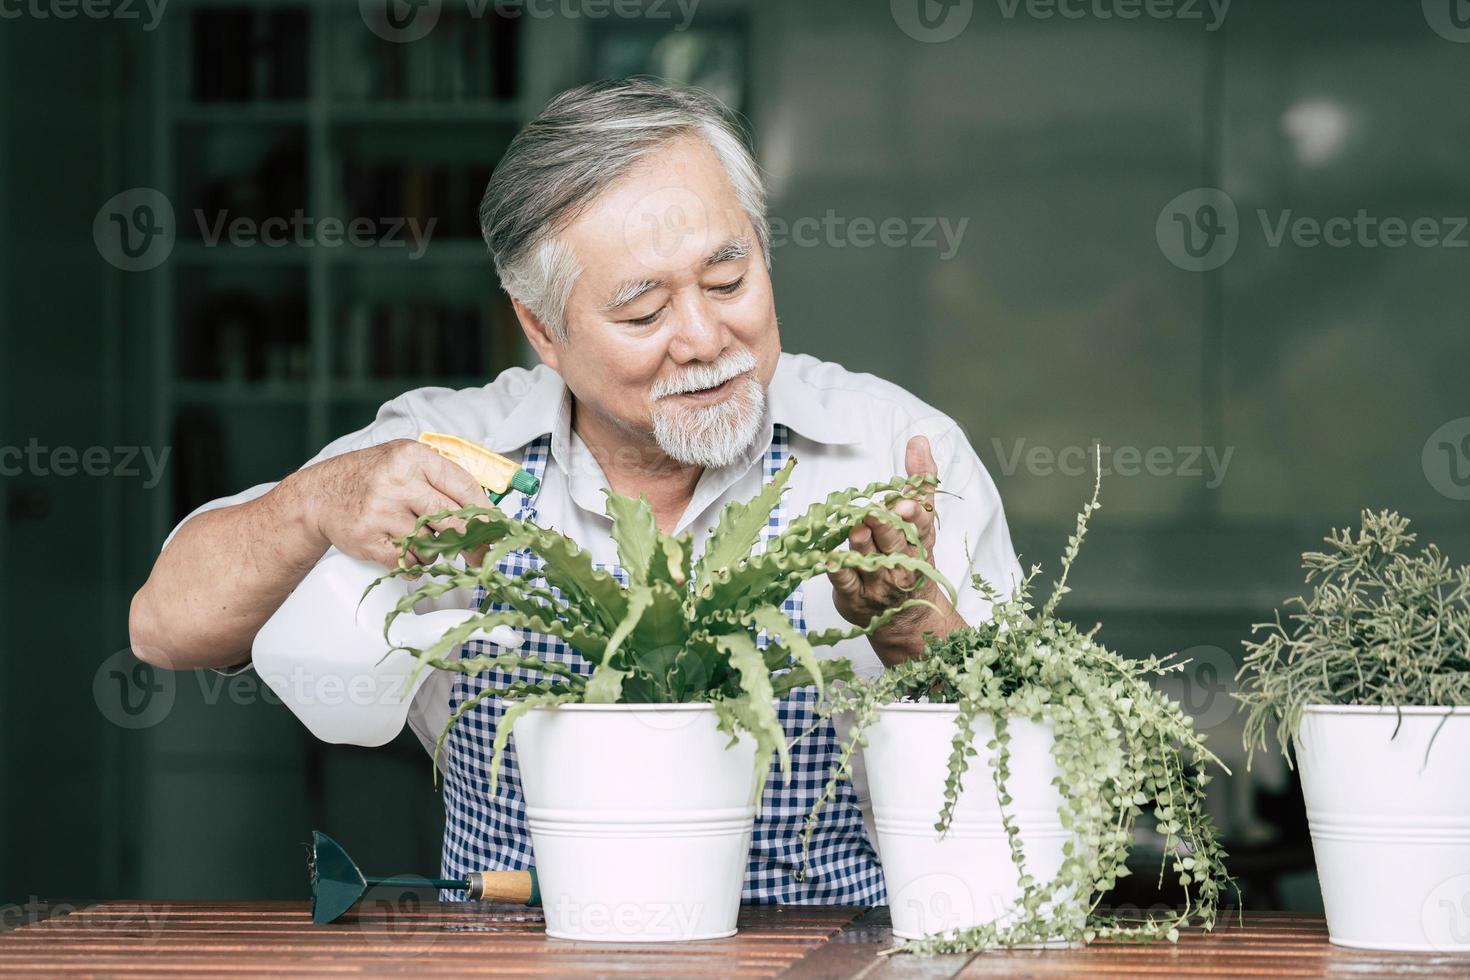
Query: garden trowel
(337,884)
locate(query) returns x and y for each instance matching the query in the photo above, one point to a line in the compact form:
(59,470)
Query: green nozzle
(522,481)
(525,482)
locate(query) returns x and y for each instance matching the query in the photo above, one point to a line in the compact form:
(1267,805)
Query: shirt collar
(798,405)
(536,413)
(545,409)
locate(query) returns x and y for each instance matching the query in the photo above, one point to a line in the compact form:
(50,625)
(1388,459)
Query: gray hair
(585,140)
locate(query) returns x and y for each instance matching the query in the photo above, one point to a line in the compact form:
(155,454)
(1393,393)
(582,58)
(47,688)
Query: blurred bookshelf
(364,160)
(287,114)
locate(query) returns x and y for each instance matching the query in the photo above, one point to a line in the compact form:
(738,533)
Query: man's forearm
(222,576)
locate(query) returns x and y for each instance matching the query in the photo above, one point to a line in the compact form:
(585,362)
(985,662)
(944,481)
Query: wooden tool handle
(515,887)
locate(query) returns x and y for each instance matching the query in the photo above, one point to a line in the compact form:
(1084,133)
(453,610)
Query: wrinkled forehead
(667,217)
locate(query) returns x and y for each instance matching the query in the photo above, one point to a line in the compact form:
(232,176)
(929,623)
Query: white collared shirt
(847,430)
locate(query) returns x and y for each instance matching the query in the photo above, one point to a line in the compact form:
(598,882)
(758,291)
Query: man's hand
(363,502)
(860,595)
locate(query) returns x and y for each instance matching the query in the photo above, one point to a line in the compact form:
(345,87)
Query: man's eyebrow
(628,291)
(735,248)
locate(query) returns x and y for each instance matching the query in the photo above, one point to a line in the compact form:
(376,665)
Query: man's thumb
(918,459)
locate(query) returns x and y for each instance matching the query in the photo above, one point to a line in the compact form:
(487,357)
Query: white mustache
(705,375)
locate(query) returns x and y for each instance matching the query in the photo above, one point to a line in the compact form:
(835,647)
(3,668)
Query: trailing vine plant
(1384,626)
(1121,746)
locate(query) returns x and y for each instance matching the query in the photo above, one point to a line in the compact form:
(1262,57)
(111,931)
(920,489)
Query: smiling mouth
(712,394)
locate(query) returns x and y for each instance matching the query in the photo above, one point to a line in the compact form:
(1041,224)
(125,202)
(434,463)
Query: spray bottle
(324,653)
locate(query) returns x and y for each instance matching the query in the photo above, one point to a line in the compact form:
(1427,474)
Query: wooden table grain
(247,939)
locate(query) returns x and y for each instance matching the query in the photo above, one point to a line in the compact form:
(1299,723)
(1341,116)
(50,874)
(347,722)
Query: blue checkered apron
(484,831)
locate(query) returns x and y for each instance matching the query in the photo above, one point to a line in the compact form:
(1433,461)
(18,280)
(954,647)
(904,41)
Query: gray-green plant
(1120,744)
(1384,626)
(681,629)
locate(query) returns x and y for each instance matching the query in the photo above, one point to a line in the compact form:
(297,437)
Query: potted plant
(1008,766)
(1369,682)
(641,780)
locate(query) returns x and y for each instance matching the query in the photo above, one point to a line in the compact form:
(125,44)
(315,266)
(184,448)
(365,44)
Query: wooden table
(240,939)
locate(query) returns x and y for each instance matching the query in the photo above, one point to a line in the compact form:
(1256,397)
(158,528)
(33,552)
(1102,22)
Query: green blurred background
(1246,400)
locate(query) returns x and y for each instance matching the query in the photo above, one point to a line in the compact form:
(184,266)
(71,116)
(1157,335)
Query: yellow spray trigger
(492,471)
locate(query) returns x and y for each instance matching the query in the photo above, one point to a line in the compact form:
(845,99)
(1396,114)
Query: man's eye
(729,287)
(644,321)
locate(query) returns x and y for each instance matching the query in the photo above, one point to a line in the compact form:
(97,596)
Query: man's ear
(538,333)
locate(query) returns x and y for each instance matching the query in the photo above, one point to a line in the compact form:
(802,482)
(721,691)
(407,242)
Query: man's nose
(702,334)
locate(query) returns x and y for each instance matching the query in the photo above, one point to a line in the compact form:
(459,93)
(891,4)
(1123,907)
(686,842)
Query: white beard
(717,435)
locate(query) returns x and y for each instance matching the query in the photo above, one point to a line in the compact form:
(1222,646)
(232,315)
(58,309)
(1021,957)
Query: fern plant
(1121,746)
(1384,626)
(682,629)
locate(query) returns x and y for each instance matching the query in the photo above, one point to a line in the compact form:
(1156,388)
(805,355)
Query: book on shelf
(243,54)
(270,184)
(384,190)
(464,58)
(241,337)
(421,340)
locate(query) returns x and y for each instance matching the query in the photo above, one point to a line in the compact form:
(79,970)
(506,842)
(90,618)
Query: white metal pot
(966,878)
(640,817)
(1390,822)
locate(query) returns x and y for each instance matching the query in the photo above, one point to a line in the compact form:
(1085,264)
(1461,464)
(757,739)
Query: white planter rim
(920,706)
(624,708)
(1374,709)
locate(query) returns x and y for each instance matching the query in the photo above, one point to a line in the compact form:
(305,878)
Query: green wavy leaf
(739,528)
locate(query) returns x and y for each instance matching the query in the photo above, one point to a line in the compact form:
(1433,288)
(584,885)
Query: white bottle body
(325,656)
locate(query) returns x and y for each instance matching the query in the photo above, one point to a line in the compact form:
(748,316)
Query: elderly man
(628,225)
